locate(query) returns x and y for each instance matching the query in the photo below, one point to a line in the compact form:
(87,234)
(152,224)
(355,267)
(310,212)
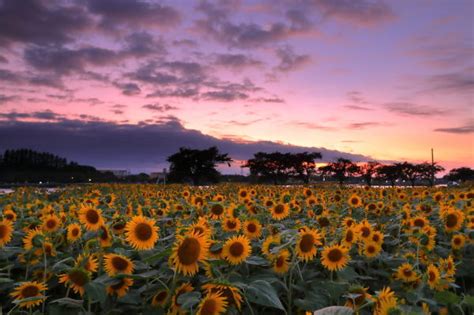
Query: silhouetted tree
(461,174)
(303,165)
(428,171)
(196,165)
(273,167)
(368,171)
(341,169)
(410,172)
(390,173)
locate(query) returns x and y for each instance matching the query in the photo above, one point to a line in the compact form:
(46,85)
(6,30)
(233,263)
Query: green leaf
(347,274)
(5,280)
(30,299)
(447,298)
(68,302)
(155,257)
(96,291)
(468,300)
(257,261)
(262,293)
(189,299)
(335,310)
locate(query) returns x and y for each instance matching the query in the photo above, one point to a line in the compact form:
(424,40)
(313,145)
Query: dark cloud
(229,91)
(149,73)
(3,59)
(41,115)
(356,97)
(217,24)
(64,61)
(185,42)
(128,89)
(9,76)
(466,129)
(361,12)
(452,82)
(142,44)
(270,100)
(363,125)
(190,92)
(159,107)
(133,13)
(289,60)
(40,22)
(311,125)
(136,147)
(357,107)
(236,61)
(50,81)
(412,109)
(8,98)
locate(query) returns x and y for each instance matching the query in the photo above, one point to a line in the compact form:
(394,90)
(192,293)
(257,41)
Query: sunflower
(73,232)
(361,297)
(350,237)
(120,288)
(216,211)
(117,264)
(335,257)
(280,211)
(252,229)
(9,215)
(160,298)
(386,303)
(433,276)
(406,273)
(365,230)
(231,293)
(236,249)
(372,249)
(91,218)
(89,263)
(105,237)
(76,279)
(188,250)
(212,304)
(458,241)
(175,306)
(30,290)
(448,266)
(34,238)
(6,232)
(281,263)
(270,241)
(141,233)
(453,220)
(51,223)
(354,201)
(306,244)
(231,225)
(243,194)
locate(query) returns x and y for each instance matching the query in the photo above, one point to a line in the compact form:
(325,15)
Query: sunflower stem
(45,262)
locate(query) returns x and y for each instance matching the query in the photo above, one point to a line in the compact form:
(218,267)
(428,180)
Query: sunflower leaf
(189,299)
(262,293)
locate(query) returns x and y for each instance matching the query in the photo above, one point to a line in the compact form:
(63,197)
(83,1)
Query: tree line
(200,167)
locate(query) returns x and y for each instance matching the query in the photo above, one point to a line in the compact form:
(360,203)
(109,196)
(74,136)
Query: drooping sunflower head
(236,249)
(6,232)
(34,238)
(175,306)
(160,298)
(117,264)
(120,288)
(188,251)
(141,233)
(30,289)
(270,242)
(433,276)
(306,244)
(231,293)
(76,279)
(281,262)
(335,257)
(212,304)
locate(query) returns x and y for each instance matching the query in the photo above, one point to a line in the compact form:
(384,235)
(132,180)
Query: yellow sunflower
(188,250)
(216,211)
(458,241)
(306,244)
(91,218)
(350,237)
(252,229)
(30,289)
(160,298)
(141,233)
(372,249)
(334,257)
(453,220)
(9,215)
(105,238)
(365,230)
(231,224)
(89,263)
(175,306)
(117,264)
(34,238)
(280,211)
(281,263)
(433,276)
(73,232)
(76,279)
(6,232)
(270,241)
(236,249)
(51,223)
(231,293)
(212,304)
(120,288)
(354,201)
(406,273)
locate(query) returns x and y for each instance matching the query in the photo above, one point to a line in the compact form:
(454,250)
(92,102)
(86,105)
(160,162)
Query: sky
(122,84)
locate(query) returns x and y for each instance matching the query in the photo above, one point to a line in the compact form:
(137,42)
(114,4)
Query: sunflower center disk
(335,255)
(92,216)
(189,251)
(119,263)
(143,231)
(306,243)
(236,249)
(30,291)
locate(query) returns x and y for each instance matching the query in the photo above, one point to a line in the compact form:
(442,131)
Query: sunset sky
(123,84)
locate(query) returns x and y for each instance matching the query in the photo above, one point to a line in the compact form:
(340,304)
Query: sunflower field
(237,249)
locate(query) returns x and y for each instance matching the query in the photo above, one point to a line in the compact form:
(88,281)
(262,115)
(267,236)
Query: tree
(341,169)
(390,173)
(273,167)
(428,171)
(303,165)
(410,172)
(196,165)
(461,174)
(368,171)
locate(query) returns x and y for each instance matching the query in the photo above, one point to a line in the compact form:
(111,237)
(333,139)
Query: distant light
(90,180)
(72,177)
(40,182)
